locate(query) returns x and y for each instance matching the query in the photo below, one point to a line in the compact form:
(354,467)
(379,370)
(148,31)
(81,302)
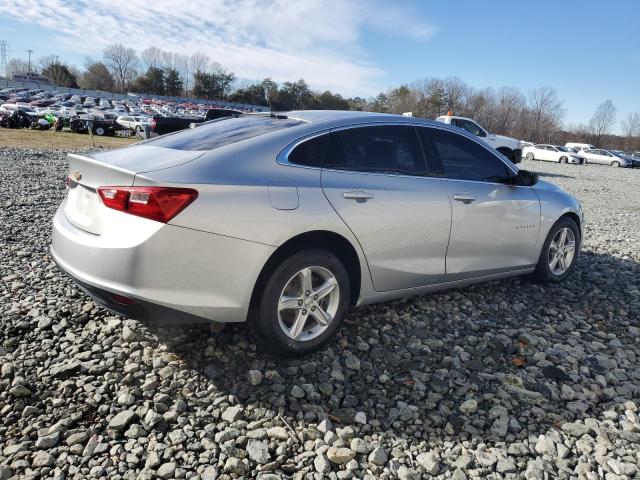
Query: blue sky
(587,50)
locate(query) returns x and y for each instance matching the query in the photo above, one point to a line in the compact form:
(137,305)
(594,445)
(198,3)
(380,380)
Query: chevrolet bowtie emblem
(77,175)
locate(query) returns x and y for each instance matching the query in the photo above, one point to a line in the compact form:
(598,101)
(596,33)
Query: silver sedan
(288,220)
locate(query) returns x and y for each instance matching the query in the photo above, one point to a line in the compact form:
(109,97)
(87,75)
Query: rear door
(494,224)
(374,177)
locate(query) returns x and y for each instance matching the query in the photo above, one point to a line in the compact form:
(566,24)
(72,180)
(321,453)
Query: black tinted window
(458,157)
(222,132)
(310,152)
(392,149)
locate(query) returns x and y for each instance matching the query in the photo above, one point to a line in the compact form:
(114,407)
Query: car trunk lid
(87,173)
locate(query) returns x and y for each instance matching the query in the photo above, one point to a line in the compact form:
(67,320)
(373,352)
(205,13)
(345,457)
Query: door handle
(358,195)
(464,198)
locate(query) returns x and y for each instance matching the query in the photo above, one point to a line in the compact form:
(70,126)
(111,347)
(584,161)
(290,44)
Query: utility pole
(4,68)
(29,52)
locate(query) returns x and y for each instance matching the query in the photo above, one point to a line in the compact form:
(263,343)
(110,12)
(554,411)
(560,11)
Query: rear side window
(379,149)
(223,132)
(310,153)
(460,158)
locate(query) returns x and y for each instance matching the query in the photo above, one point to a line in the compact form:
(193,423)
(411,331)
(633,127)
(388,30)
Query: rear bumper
(139,309)
(172,274)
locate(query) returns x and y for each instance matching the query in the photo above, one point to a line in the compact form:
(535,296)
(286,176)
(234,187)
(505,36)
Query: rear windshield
(223,132)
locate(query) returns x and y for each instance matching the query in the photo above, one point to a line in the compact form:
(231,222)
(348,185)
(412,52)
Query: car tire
(276,326)
(99,131)
(547,271)
(530,156)
(563,160)
(615,164)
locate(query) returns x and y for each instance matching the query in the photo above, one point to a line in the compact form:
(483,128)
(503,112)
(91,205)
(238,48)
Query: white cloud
(318,40)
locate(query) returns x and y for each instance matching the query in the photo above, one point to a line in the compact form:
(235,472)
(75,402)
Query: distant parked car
(507,146)
(635,162)
(133,122)
(579,146)
(552,153)
(605,157)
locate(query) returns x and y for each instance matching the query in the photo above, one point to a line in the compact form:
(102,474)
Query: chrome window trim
(283,157)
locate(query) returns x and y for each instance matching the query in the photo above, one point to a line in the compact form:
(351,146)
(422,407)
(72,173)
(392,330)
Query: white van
(578,147)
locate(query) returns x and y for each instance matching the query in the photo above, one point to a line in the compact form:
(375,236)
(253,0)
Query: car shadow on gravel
(498,361)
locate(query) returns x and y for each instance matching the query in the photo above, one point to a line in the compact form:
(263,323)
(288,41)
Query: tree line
(536,116)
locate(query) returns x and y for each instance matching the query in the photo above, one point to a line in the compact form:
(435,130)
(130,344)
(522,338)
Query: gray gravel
(504,380)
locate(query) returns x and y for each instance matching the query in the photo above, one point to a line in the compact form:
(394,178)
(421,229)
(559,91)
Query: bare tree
(121,61)
(152,57)
(546,113)
(199,62)
(602,121)
(17,65)
(456,92)
(509,105)
(631,130)
(184,67)
(48,61)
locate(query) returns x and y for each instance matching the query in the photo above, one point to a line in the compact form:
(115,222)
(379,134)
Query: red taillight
(155,203)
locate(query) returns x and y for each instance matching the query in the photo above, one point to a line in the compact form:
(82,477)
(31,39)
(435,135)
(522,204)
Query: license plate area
(82,206)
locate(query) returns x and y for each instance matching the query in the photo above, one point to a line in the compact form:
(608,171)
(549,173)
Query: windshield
(563,149)
(223,132)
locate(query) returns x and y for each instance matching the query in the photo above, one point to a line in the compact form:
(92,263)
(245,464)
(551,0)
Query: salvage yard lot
(65,140)
(505,378)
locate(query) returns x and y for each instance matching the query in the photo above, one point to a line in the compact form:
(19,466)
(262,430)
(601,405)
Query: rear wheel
(559,252)
(530,156)
(303,303)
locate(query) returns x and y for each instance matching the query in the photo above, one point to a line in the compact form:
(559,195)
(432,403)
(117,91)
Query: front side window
(457,157)
(472,128)
(377,149)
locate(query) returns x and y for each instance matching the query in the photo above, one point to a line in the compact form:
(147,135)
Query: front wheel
(563,159)
(100,131)
(559,252)
(303,303)
(615,164)
(530,156)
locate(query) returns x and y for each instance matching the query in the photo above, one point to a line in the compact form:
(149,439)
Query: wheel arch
(573,216)
(316,239)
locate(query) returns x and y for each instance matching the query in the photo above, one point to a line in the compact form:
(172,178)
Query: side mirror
(526,178)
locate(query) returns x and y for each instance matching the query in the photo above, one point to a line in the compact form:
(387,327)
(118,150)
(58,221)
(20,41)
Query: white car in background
(131,122)
(606,157)
(507,146)
(552,153)
(578,147)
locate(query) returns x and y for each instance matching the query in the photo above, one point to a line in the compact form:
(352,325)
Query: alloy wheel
(308,303)
(562,250)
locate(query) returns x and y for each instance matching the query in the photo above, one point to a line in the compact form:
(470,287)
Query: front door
(494,224)
(374,177)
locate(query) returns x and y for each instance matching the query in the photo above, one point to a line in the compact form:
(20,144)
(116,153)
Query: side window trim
(282,157)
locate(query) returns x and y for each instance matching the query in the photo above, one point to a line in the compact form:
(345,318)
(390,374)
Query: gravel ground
(508,379)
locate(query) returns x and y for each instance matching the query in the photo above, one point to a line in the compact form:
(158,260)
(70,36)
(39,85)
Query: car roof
(349,116)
